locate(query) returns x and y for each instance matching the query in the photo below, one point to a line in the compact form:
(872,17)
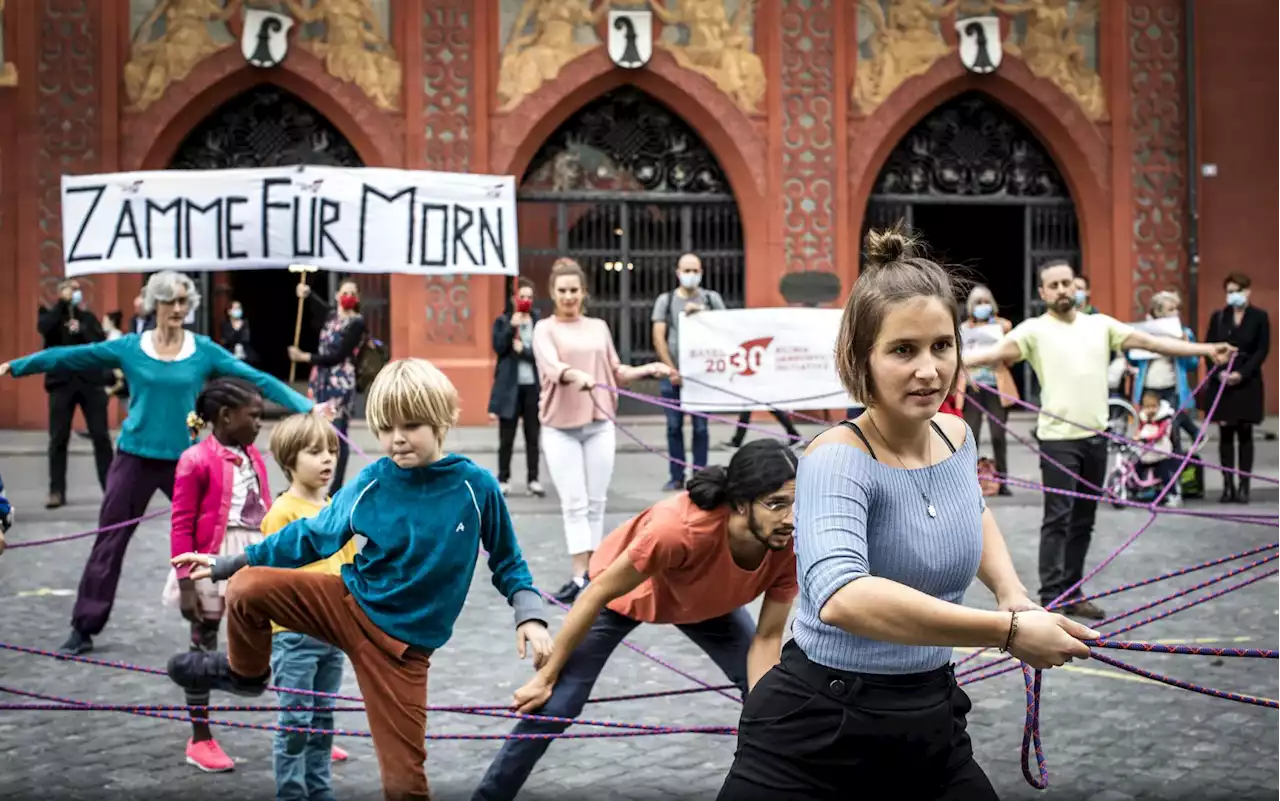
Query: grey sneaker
(210,670)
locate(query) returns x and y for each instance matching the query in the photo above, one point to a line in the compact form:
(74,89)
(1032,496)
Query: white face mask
(690,280)
(1236,299)
(981,311)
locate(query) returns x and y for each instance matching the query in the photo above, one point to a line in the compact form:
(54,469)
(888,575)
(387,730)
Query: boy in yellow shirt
(306,448)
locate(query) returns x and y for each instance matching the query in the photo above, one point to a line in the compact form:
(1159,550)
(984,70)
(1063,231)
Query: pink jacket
(202,495)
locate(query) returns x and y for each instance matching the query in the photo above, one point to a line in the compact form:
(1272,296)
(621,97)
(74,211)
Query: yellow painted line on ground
(45,591)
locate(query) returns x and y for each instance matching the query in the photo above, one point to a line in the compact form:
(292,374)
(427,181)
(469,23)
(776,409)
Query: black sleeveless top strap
(871,451)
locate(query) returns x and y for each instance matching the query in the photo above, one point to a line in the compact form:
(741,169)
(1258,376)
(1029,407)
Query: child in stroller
(1138,473)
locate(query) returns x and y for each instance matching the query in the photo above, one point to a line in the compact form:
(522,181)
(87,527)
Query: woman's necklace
(928,504)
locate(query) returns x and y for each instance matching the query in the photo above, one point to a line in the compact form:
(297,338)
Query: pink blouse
(584,344)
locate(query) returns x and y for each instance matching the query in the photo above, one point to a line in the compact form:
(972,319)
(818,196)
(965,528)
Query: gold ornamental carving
(354,47)
(543,40)
(1051,47)
(8,70)
(719,47)
(904,42)
(185,39)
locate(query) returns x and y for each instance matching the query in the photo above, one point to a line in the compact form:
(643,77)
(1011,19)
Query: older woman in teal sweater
(166,369)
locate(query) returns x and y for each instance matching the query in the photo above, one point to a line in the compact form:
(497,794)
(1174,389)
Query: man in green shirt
(1069,351)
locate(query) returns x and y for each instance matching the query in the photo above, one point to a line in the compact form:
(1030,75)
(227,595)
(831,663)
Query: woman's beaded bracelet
(1013,632)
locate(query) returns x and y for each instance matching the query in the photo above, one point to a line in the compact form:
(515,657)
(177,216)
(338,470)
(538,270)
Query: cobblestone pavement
(1108,736)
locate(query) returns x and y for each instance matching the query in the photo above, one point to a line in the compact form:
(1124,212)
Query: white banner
(357,220)
(1162,327)
(758,359)
(980,336)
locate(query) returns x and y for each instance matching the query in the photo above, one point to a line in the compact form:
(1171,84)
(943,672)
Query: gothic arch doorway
(625,187)
(267,126)
(985,196)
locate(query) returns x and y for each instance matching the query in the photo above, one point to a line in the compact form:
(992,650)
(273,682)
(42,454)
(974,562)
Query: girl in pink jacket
(219,500)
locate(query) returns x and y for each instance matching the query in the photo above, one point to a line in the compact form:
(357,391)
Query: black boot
(1228,489)
(1242,495)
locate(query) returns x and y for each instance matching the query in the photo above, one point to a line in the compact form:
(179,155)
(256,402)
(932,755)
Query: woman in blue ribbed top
(166,368)
(891,529)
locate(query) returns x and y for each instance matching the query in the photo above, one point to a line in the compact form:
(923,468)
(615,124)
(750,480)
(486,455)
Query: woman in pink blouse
(574,353)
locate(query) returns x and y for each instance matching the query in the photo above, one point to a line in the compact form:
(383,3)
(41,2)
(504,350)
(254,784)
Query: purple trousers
(131,482)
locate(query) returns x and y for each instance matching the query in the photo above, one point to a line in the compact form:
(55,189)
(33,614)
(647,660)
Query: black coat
(506,379)
(54,325)
(1244,402)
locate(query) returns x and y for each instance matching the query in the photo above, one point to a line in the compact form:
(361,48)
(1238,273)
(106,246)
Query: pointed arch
(152,136)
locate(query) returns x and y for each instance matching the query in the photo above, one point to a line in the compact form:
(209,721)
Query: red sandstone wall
(1237,52)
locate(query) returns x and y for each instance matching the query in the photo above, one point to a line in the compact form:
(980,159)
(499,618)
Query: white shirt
(247,509)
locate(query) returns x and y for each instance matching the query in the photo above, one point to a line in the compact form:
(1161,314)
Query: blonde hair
(412,391)
(566,266)
(981,291)
(297,433)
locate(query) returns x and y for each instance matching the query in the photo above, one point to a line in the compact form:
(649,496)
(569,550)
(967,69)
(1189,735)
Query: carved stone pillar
(1157,84)
(809,152)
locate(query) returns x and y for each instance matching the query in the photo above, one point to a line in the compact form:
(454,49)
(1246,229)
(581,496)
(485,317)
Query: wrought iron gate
(626,187)
(269,127)
(970,151)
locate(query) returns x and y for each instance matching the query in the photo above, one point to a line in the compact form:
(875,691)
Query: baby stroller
(1127,478)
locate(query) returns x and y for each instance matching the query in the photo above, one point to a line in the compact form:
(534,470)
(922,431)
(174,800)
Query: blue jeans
(725,639)
(675,433)
(301,760)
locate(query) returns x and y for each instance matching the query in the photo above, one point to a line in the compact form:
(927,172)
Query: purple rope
(1152,604)
(675,406)
(1192,650)
(84,706)
(1246,519)
(1182,407)
(1193,568)
(1146,621)
(83,534)
(1186,685)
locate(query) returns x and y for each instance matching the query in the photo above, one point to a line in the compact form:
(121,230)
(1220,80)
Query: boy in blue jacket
(6,515)
(420,518)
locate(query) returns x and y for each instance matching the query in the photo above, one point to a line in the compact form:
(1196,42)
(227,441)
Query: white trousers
(580,461)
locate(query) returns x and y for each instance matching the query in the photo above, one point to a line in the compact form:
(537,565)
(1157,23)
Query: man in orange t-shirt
(693,560)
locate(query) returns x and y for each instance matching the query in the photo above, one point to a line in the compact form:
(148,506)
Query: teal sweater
(161,393)
(422,529)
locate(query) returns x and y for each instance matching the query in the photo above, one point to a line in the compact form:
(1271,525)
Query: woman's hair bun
(708,487)
(889,245)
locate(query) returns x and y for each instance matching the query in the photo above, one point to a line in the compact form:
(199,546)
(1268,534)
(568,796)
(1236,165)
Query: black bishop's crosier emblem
(630,58)
(262,52)
(982,63)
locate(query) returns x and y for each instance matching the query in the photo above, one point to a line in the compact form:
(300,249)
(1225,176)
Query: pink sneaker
(207,755)
(339,755)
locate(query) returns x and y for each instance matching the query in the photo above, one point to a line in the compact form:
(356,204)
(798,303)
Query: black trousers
(974,402)
(1229,436)
(740,433)
(63,400)
(526,414)
(1067,527)
(811,733)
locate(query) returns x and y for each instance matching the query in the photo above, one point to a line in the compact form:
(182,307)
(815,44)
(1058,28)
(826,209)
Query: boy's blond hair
(412,391)
(297,433)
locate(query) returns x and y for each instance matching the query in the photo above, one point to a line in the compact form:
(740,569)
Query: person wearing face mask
(333,373)
(235,334)
(67,322)
(973,386)
(1083,290)
(1241,408)
(1171,378)
(514,398)
(688,298)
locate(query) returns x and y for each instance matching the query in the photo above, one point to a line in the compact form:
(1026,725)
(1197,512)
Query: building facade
(765,135)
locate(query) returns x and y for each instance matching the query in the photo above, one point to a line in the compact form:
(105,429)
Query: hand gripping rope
(611,729)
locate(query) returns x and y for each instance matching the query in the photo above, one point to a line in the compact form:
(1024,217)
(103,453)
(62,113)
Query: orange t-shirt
(692,575)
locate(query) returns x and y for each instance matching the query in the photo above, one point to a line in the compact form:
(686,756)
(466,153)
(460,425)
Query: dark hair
(758,468)
(117,319)
(219,394)
(1050,264)
(523,282)
(1239,279)
(894,273)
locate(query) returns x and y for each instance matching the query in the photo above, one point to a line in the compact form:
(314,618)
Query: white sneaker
(505,488)
(536,489)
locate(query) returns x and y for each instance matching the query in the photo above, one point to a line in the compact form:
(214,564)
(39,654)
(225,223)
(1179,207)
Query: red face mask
(348,302)
(524,305)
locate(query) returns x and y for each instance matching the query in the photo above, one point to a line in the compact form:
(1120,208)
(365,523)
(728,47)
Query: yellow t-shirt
(1070,359)
(288,508)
